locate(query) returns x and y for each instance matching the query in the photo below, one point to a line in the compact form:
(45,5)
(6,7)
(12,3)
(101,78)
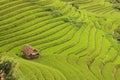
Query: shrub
(116,4)
(6,66)
(117,34)
(74,21)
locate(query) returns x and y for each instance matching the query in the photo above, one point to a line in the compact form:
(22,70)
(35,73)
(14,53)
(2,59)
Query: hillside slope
(75,39)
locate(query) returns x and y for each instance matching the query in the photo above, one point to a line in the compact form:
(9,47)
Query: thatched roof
(30,52)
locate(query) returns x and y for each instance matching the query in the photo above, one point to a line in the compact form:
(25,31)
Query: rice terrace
(59,39)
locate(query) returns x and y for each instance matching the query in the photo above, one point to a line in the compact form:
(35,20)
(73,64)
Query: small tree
(74,21)
(5,69)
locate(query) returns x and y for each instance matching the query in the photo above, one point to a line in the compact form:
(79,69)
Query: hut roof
(30,52)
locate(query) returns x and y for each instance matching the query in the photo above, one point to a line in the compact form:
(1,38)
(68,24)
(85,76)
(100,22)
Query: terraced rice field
(74,38)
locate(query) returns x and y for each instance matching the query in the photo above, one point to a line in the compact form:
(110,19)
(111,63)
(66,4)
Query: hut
(30,52)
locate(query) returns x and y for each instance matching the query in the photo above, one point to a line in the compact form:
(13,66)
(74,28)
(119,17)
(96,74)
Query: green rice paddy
(74,37)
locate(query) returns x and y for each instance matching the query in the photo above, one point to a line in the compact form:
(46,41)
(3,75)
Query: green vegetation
(6,66)
(116,4)
(117,34)
(77,39)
